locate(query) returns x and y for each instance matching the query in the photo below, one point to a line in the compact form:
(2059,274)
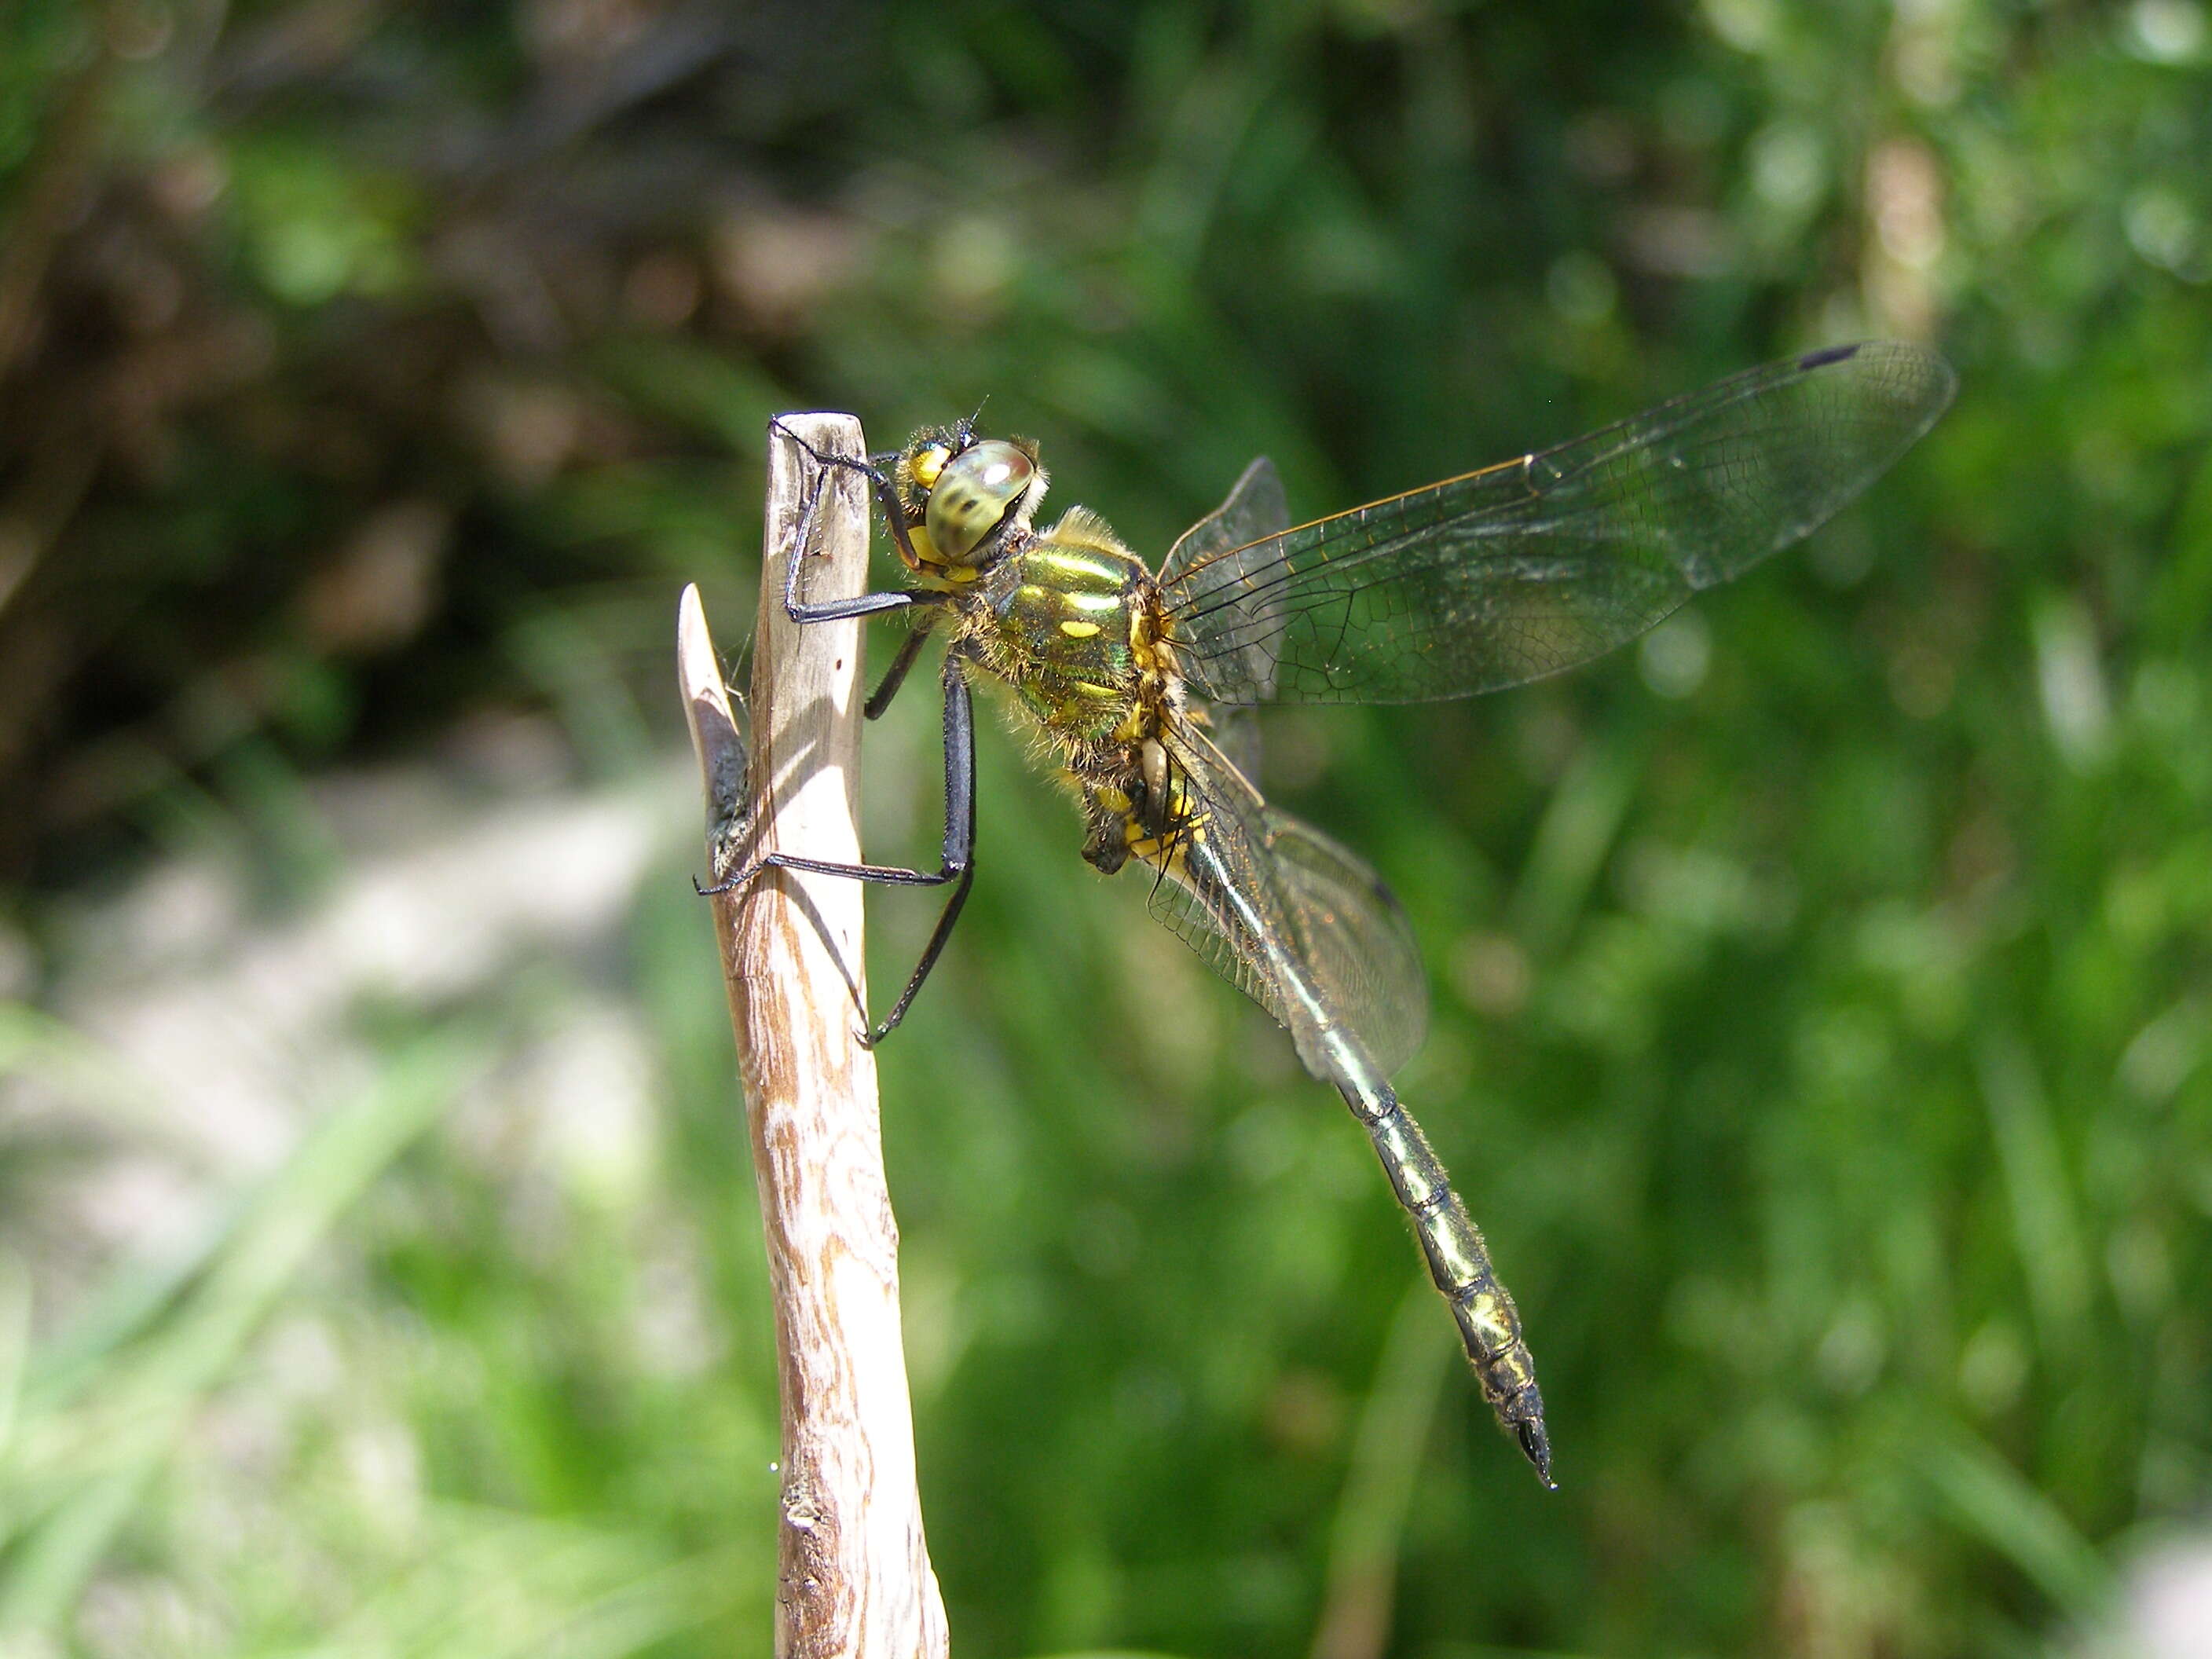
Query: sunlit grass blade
(82,1471)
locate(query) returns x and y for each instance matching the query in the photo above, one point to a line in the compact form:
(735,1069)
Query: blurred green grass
(1836,1010)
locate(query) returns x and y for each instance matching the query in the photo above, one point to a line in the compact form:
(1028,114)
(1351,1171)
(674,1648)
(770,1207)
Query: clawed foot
(731,886)
(867,469)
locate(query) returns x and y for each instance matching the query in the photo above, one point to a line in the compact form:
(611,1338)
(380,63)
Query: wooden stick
(854,1570)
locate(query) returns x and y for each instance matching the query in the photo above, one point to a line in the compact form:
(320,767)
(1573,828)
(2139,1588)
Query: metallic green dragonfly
(1138,683)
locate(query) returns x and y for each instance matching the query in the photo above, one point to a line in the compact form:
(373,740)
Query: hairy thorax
(1070,620)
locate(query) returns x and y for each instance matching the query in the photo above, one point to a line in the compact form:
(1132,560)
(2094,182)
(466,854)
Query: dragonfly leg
(956,865)
(895,676)
(865,605)
(958,856)
(930,952)
(861,604)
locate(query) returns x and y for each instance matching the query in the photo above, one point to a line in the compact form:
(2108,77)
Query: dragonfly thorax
(1064,617)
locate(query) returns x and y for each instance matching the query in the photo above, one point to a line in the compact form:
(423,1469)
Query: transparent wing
(1234,729)
(1255,508)
(1297,922)
(1522,570)
(1255,512)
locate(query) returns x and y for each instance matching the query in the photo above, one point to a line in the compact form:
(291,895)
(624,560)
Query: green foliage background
(1822,992)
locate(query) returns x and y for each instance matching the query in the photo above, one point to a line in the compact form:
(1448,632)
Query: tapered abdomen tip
(1536,1447)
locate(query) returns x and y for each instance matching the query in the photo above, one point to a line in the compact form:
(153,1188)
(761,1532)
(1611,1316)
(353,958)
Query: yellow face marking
(925,551)
(928,464)
(1078,630)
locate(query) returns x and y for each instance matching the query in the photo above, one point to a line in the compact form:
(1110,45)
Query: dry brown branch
(854,1577)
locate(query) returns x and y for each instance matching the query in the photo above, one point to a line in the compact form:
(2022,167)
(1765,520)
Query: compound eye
(974,492)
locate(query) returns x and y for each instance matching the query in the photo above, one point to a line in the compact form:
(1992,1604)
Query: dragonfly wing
(1522,570)
(1255,513)
(1235,732)
(1298,923)
(1256,508)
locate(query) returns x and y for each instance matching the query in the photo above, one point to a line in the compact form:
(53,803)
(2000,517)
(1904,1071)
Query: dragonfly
(1141,683)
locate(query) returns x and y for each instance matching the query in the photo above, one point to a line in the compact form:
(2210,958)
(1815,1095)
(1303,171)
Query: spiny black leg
(959,835)
(886,498)
(958,851)
(930,952)
(889,875)
(895,676)
(959,845)
(863,605)
(892,875)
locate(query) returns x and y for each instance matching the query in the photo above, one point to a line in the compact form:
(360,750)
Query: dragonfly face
(1137,682)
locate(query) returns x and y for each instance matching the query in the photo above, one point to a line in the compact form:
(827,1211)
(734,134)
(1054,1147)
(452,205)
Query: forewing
(1508,574)
(1293,920)
(1255,508)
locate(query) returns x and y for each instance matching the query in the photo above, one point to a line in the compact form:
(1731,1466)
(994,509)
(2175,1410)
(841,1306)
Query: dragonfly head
(964,496)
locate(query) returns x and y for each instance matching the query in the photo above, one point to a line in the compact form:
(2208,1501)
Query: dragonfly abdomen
(1459,1262)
